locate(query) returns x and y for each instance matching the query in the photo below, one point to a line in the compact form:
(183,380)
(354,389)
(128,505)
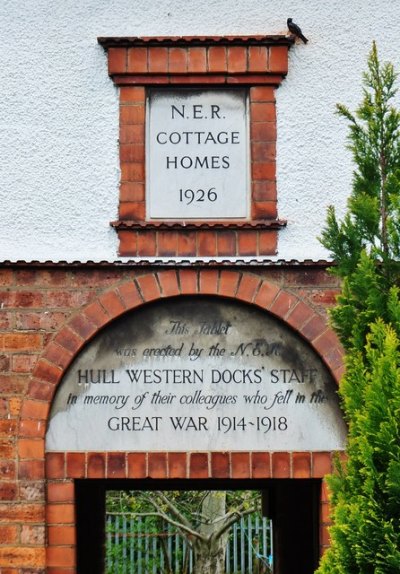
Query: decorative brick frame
(62,468)
(257,62)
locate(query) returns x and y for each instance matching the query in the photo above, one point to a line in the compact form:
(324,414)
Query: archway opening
(281,536)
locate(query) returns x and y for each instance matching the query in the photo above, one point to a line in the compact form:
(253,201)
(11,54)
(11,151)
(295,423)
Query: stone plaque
(197,154)
(196,374)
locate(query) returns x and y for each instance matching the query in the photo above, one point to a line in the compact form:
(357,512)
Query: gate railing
(139,545)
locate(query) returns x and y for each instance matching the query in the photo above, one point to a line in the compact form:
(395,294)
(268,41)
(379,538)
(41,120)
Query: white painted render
(59,169)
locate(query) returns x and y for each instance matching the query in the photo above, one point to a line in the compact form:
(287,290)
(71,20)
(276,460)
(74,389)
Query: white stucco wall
(59,111)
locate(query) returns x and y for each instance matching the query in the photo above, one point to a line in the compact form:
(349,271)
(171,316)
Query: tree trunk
(209,554)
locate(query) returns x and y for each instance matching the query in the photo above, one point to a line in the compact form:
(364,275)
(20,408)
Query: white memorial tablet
(197,154)
(196,374)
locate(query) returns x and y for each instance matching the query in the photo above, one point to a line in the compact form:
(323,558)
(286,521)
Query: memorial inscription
(196,374)
(197,150)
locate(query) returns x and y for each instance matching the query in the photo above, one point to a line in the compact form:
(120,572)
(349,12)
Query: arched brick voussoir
(188,281)
(248,287)
(208,281)
(228,283)
(168,281)
(47,372)
(149,287)
(328,346)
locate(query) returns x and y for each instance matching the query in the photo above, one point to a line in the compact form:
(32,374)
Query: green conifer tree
(365,536)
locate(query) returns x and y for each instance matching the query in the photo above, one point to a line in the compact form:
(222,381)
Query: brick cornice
(131,224)
(191,60)
(253,40)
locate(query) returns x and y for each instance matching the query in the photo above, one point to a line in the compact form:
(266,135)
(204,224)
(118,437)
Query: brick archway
(62,468)
(242,286)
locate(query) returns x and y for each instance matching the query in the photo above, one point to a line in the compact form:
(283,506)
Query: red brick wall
(47,315)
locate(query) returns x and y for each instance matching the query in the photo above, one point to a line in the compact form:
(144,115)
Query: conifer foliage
(365,536)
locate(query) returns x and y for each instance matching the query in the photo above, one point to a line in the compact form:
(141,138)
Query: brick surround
(48,315)
(258,63)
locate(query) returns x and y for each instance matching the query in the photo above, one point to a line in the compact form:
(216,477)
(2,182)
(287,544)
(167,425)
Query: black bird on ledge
(296,30)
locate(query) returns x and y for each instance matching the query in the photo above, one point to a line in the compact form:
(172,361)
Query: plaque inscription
(196,374)
(197,150)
